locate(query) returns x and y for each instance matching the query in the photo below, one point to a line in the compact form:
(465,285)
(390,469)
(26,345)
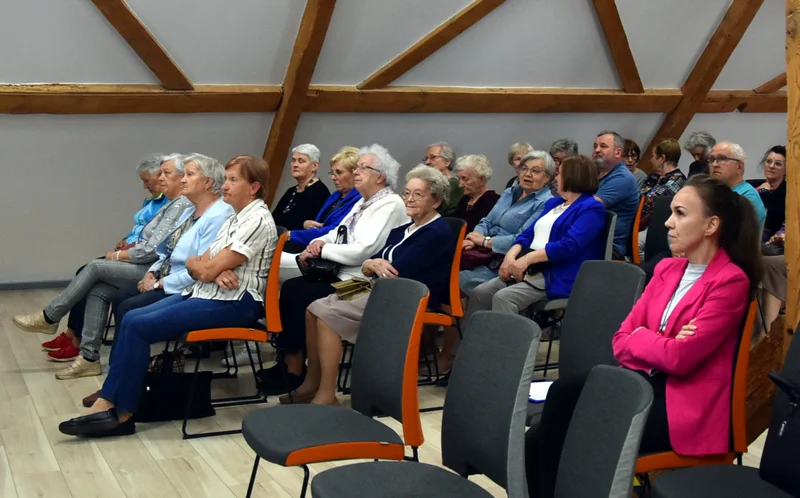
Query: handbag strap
(341,235)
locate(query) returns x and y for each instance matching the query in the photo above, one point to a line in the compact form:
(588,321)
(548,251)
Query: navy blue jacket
(577,236)
(304,237)
(426,257)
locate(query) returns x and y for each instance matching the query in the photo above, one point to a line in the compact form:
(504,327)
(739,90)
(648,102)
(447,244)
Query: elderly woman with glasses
(699,145)
(420,250)
(442,157)
(630,156)
(367,226)
(303,201)
(517,208)
(773,190)
(560,150)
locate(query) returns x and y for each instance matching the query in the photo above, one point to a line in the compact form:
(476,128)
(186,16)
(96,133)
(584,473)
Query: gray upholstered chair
(603,295)
(482,423)
(384,383)
(602,443)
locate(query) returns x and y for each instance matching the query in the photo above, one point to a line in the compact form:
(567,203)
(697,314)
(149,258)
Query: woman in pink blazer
(682,333)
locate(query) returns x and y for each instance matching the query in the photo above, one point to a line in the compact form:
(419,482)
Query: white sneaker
(242,359)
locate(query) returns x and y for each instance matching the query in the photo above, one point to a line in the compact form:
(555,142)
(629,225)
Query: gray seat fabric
(722,481)
(534,415)
(609,229)
(656,242)
(482,422)
(274,433)
(602,443)
(393,480)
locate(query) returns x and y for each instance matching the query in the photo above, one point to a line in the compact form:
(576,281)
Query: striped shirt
(252,233)
(163,224)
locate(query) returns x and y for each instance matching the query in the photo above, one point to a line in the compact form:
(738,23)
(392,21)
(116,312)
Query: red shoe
(57,343)
(65,354)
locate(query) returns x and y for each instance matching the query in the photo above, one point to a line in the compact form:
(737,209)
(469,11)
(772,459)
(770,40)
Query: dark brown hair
(739,232)
(631,146)
(671,149)
(254,169)
(578,175)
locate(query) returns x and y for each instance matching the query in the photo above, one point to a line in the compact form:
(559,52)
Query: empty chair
(482,423)
(656,242)
(384,382)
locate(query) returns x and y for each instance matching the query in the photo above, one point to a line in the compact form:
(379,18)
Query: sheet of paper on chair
(538,392)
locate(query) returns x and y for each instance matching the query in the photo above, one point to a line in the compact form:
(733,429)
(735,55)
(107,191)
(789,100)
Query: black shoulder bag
(323,270)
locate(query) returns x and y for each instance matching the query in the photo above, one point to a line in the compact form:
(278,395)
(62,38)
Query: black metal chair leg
(549,350)
(190,399)
(306,475)
(253,477)
(284,375)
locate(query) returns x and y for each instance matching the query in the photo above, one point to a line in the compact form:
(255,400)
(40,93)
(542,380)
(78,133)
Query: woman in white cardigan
(368,225)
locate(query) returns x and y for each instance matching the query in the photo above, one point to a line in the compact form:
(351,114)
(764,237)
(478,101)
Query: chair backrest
(633,250)
(656,242)
(610,227)
(271,306)
(385,363)
(459,228)
(599,453)
(483,423)
(740,367)
(602,297)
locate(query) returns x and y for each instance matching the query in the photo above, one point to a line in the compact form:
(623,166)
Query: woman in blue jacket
(332,213)
(569,232)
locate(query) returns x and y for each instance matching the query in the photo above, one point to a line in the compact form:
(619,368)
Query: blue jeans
(165,320)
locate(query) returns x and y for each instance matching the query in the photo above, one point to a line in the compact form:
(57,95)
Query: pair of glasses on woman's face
(416,195)
(522,170)
(630,156)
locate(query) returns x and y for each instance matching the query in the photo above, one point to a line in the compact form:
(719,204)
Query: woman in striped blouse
(229,292)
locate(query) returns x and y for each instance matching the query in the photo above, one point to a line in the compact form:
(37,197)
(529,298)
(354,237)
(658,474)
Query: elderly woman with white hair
(473,173)
(149,171)
(367,228)
(441,156)
(699,145)
(120,268)
(303,201)
(419,250)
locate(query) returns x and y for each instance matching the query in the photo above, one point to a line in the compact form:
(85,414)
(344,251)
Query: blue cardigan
(577,236)
(425,256)
(304,237)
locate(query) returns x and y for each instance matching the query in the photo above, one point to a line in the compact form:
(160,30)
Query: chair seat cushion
(551,305)
(534,415)
(393,479)
(718,481)
(274,433)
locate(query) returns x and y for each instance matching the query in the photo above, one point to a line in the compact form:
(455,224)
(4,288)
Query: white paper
(538,392)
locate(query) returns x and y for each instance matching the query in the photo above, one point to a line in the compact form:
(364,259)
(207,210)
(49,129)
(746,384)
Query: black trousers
(76,314)
(127,299)
(296,294)
(543,444)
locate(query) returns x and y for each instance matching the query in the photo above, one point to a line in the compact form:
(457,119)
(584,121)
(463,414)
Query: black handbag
(323,270)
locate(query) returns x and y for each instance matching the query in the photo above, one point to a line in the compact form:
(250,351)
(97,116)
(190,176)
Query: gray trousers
(495,295)
(96,282)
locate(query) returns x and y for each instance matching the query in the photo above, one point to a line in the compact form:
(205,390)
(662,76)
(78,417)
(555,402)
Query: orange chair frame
(637,221)
(456,307)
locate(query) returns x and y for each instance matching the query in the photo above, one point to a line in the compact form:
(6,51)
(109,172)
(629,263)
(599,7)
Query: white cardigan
(368,237)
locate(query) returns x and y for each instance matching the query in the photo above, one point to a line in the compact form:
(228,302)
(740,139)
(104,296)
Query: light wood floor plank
(7,488)
(192,477)
(42,485)
(26,445)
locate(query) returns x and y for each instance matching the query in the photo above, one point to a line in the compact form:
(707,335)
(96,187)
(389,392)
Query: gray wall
(69,187)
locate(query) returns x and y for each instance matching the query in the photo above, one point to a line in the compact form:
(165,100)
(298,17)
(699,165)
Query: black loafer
(90,424)
(126,428)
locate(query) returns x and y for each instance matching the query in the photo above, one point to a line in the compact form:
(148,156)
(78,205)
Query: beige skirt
(344,317)
(774,280)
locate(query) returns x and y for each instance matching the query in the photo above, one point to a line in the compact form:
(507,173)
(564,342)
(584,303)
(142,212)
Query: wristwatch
(486,241)
(155,285)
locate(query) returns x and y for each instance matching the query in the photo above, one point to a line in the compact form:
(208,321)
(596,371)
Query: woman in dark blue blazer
(546,257)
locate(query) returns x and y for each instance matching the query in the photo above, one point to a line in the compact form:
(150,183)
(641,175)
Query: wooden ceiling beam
(706,71)
(743,101)
(429,44)
(772,85)
(122,18)
(307,47)
(618,45)
(135,99)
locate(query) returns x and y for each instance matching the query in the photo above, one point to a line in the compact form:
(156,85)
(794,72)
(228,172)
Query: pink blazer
(699,368)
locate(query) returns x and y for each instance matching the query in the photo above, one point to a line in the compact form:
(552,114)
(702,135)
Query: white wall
(69,187)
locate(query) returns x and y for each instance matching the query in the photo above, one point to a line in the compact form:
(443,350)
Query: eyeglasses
(630,156)
(721,159)
(430,158)
(331,174)
(362,167)
(417,196)
(525,169)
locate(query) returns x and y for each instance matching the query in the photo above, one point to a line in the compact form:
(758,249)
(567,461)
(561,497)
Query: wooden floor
(37,460)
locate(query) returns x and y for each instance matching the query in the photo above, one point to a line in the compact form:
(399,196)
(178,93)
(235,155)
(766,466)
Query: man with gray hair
(699,145)
(618,189)
(441,156)
(727,164)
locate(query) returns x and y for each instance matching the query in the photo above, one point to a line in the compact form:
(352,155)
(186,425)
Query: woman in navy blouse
(420,250)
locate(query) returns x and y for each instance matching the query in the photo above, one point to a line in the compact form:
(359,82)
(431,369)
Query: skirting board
(44,284)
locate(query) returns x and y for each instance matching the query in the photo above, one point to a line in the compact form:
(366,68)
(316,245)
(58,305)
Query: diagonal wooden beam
(772,85)
(432,42)
(307,47)
(706,71)
(617,41)
(792,249)
(143,43)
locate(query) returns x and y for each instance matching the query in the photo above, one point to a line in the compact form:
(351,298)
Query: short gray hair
(386,164)
(440,186)
(178,161)
(149,164)
(210,168)
(549,164)
(478,162)
(564,145)
(309,150)
(619,142)
(446,151)
(700,139)
(736,150)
